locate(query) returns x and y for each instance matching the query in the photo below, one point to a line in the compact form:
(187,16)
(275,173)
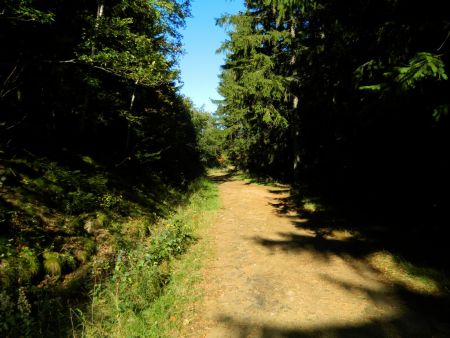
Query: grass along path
(152,287)
(271,276)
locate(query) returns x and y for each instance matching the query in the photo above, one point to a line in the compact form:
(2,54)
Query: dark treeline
(349,97)
(97,79)
(96,144)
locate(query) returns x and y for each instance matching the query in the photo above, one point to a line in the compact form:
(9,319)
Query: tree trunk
(100,9)
(294,121)
(132,101)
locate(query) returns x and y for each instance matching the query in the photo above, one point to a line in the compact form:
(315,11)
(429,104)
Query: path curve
(269,277)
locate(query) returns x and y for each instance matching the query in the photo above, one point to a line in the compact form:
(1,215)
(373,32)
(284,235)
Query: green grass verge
(153,284)
(415,278)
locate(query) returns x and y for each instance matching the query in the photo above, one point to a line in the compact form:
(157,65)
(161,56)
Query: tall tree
(96,78)
(337,94)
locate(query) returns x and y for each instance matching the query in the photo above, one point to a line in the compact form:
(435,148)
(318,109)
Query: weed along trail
(271,277)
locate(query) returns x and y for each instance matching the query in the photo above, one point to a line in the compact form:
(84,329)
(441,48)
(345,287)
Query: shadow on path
(284,270)
(221,178)
(326,235)
(394,327)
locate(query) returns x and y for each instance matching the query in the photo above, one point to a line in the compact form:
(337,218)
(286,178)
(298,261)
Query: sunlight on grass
(422,280)
(217,171)
(152,286)
(310,207)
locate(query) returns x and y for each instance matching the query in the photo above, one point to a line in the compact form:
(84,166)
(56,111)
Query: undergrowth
(143,297)
(66,228)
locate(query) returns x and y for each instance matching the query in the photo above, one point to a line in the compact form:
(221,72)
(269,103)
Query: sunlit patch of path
(270,277)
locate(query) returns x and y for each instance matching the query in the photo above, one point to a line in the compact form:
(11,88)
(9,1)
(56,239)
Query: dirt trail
(270,277)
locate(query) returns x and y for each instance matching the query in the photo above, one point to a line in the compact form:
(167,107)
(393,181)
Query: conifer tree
(331,93)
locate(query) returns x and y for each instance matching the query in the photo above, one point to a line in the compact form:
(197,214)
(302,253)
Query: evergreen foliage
(210,137)
(336,93)
(97,79)
(349,101)
(96,144)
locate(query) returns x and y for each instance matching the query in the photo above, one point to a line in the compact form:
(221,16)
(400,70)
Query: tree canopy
(96,78)
(94,138)
(349,96)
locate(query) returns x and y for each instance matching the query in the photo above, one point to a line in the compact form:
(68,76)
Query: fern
(421,66)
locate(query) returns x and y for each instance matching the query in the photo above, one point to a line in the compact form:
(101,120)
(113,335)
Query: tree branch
(443,43)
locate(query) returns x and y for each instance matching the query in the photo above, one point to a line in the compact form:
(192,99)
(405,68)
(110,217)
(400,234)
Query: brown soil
(269,277)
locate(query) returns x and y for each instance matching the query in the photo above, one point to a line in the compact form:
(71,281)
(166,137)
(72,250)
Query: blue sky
(200,66)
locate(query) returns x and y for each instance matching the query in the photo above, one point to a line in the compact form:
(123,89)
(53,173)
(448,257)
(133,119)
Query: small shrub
(52,263)
(6,273)
(79,201)
(24,313)
(7,314)
(72,224)
(170,242)
(19,268)
(81,256)
(27,265)
(89,246)
(68,262)
(15,314)
(111,201)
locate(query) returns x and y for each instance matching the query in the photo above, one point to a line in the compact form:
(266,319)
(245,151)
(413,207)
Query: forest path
(271,277)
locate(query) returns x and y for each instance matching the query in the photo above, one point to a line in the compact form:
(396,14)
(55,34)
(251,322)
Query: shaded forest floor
(72,230)
(275,273)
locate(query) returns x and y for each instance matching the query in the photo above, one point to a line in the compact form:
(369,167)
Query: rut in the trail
(270,277)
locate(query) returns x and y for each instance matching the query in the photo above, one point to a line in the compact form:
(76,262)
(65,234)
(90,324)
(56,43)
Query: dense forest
(349,101)
(346,101)
(94,135)
(96,79)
